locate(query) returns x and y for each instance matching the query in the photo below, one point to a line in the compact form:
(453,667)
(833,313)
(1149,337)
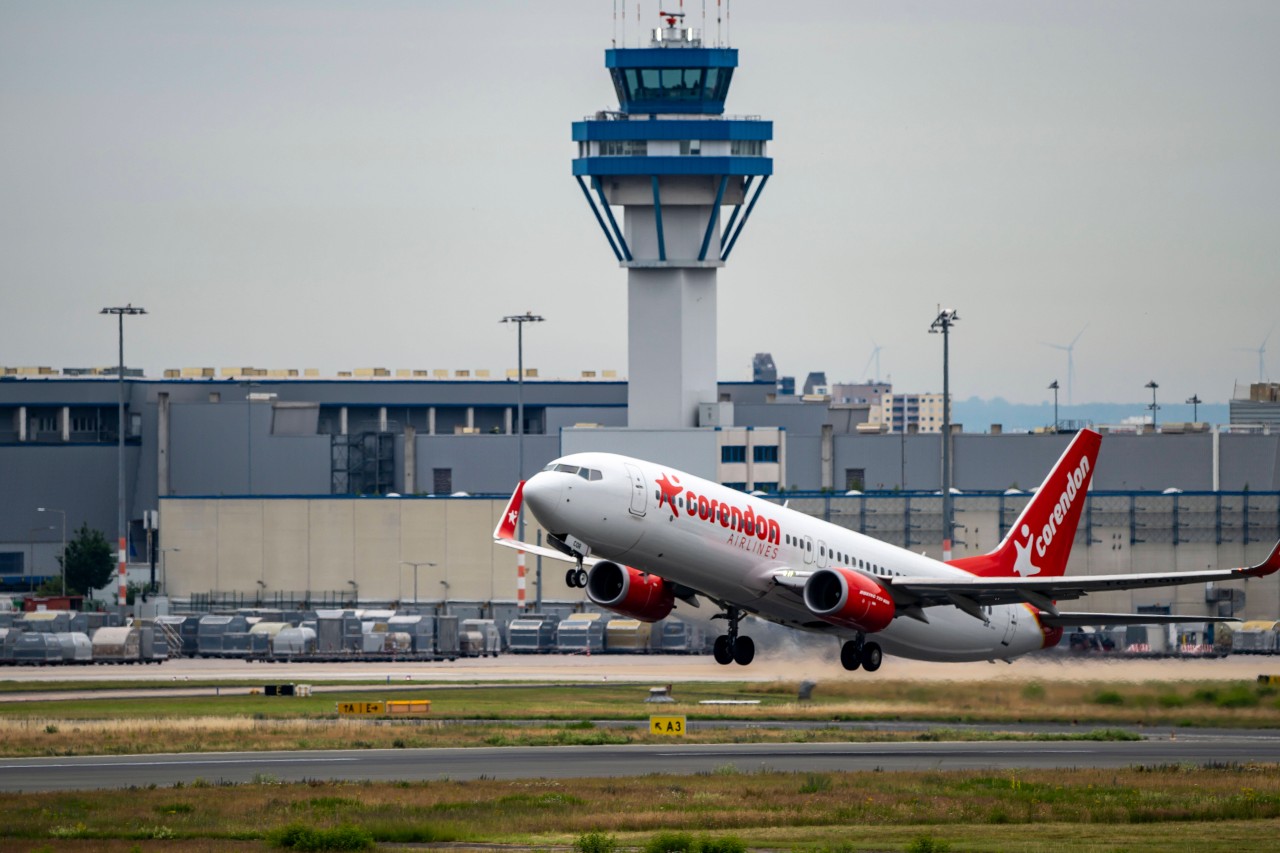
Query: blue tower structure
(687,178)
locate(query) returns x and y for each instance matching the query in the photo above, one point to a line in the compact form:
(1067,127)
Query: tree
(88,562)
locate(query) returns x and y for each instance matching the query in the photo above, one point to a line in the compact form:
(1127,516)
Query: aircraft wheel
(850,655)
(723,654)
(571,578)
(871,656)
(744,651)
(581,577)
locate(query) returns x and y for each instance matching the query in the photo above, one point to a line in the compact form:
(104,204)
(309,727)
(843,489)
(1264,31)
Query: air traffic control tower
(687,178)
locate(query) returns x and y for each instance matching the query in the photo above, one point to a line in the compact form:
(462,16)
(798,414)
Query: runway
(50,774)
(790,665)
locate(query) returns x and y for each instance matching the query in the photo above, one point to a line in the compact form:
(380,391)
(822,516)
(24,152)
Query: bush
(1108,697)
(671,842)
(728,844)
(927,844)
(595,842)
(816,783)
(296,836)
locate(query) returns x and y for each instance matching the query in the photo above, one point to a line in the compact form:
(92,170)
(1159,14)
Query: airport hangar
(380,488)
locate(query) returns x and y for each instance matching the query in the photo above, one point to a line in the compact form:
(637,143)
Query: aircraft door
(639,490)
(808,549)
(822,554)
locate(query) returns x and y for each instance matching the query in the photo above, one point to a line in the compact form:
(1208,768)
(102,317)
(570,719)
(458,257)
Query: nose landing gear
(730,647)
(576,578)
(860,653)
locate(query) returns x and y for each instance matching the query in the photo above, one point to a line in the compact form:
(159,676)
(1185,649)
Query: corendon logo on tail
(1073,487)
(754,532)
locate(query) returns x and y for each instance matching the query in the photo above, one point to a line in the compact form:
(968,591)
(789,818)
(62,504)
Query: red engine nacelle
(848,599)
(630,592)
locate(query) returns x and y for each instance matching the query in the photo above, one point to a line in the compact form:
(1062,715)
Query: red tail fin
(506,528)
(1039,542)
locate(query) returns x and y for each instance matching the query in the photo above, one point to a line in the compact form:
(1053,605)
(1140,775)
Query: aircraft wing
(1079,620)
(975,591)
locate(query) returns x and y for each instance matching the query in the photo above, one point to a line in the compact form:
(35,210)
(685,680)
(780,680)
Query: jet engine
(630,592)
(849,599)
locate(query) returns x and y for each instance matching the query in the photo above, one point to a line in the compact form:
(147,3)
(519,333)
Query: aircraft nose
(542,494)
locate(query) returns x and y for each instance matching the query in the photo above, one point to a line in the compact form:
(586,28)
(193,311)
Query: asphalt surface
(1157,746)
(49,774)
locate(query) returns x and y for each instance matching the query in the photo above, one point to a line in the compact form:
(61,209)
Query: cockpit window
(584,473)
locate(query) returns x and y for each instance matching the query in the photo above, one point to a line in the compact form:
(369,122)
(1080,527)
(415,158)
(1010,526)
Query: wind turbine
(875,356)
(1262,355)
(1071,364)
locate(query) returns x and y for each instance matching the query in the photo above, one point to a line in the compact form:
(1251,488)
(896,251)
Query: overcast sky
(339,185)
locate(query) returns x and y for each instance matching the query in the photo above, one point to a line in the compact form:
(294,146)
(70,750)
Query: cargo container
(581,632)
(532,634)
(291,642)
(117,645)
(629,636)
(212,632)
(421,631)
(1256,637)
(488,640)
(76,647)
(36,648)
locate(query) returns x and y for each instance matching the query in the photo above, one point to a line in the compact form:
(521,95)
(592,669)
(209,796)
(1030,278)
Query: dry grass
(1190,808)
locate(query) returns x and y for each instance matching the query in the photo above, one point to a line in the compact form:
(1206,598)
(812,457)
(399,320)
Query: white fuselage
(704,536)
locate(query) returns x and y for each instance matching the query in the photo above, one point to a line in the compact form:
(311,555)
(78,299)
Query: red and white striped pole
(124,583)
(520,580)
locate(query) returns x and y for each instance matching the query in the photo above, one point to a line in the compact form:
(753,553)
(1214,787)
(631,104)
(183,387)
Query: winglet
(506,529)
(1267,566)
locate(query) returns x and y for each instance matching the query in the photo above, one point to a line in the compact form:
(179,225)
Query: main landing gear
(729,647)
(860,653)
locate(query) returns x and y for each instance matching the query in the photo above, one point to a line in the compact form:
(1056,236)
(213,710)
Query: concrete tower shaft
(674,163)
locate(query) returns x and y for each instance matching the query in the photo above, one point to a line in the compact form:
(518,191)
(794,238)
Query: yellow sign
(673,726)
(362,708)
(408,707)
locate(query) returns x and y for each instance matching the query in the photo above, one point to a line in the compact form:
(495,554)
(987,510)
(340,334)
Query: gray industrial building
(262,442)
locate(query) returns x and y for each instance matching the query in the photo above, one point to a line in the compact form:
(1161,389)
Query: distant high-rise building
(763,369)
(816,383)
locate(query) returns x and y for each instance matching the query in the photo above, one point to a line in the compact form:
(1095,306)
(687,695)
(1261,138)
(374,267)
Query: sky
(357,184)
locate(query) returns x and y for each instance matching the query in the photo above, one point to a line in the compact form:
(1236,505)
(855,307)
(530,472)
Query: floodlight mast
(120,313)
(943,323)
(520,320)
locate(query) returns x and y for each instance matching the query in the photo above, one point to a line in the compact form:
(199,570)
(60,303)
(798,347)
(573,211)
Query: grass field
(1139,809)
(1136,809)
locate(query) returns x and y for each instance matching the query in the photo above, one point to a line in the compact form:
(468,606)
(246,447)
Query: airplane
(642,536)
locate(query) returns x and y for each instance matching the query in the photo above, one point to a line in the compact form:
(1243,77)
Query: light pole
(63,561)
(120,313)
(1053,386)
(1195,402)
(943,323)
(415,576)
(520,320)
(1155,417)
(164,575)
